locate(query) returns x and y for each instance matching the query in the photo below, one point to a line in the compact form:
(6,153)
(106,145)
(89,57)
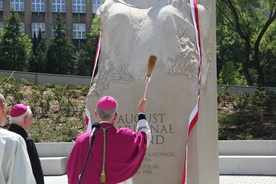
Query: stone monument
(131,32)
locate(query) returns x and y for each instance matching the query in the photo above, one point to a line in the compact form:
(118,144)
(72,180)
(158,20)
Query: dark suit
(31,148)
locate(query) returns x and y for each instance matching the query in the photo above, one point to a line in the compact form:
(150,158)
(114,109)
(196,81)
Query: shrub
(247,117)
(58,111)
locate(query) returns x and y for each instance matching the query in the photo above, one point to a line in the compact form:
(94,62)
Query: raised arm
(142,125)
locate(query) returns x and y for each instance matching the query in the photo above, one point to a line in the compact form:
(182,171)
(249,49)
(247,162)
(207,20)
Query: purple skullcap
(18,110)
(107,103)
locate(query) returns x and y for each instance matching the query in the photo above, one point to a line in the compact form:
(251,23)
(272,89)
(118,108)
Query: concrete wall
(56,79)
(229,147)
(247,147)
(42,78)
(242,89)
(238,157)
(59,149)
(241,157)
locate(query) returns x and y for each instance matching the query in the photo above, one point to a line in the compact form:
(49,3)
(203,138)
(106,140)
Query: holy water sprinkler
(151,64)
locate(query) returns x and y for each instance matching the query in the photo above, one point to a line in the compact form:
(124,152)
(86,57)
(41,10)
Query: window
(1,25)
(22,27)
(38,5)
(17,5)
(78,6)
(95,5)
(58,6)
(79,31)
(1,5)
(35,28)
(54,27)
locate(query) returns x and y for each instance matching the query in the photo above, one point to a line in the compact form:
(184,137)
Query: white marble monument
(131,32)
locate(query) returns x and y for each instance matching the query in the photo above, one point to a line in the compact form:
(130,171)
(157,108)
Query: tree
(246,24)
(60,57)
(230,75)
(269,55)
(86,57)
(15,47)
(37,60)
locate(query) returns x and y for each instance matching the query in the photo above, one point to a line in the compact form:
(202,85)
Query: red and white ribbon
(87,118)
(96,58)
(193,118)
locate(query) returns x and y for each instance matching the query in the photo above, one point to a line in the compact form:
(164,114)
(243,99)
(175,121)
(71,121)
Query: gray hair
(28,113)
(105,114)
(2,99)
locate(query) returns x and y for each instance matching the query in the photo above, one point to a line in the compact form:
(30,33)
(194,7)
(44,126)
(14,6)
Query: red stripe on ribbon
(87,113)
(193,118)
(97,56)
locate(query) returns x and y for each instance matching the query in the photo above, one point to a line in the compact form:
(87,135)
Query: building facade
(40,14)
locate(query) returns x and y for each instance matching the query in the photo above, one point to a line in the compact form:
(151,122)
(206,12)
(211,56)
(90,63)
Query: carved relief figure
(133,30)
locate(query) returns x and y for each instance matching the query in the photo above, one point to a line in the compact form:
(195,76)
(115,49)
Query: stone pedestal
(130,35)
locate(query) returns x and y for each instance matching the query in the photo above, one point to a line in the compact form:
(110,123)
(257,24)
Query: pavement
(224,179)
(241,179)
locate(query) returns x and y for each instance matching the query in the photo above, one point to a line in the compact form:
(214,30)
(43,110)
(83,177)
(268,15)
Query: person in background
(21,120)
(14,160)
(116,154)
